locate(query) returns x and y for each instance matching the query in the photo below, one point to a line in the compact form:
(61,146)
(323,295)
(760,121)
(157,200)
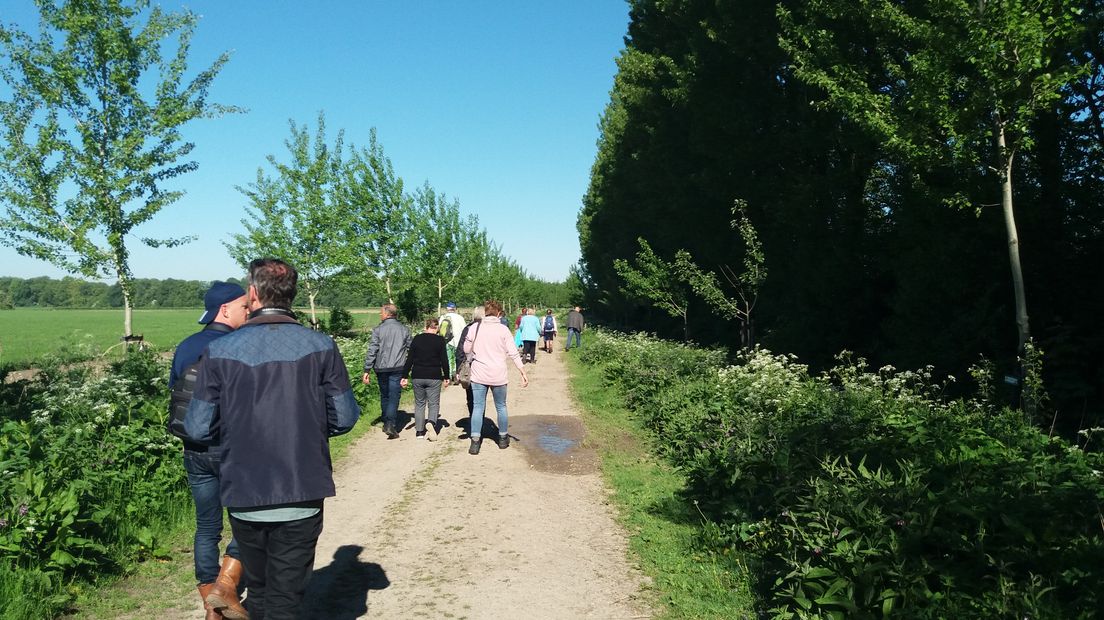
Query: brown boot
(204,590)
(223,596)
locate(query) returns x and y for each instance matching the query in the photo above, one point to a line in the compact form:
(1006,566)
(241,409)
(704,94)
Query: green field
(28,334)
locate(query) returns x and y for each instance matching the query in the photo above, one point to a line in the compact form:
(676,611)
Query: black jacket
(279,391)
(427,358)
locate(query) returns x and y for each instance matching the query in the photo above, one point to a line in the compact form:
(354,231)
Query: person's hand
(403,382)
(445,384)
(524,380)
(367,378)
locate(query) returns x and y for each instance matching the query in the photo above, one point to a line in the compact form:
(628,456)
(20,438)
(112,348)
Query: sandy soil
(422,529)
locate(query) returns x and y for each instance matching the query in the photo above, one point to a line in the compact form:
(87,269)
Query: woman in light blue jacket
(530,332)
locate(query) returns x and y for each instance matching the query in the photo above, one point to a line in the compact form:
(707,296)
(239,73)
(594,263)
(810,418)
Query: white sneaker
(431,431)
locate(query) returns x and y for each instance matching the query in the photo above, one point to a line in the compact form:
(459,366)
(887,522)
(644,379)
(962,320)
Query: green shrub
(865,494)
(89,472)
(341,321)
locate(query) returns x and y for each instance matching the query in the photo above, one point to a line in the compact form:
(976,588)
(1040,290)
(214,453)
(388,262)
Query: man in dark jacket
(386,356)
(226,306)
(575,326)
(277,392)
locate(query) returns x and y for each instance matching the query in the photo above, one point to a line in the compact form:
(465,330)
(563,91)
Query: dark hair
(275,281)
(492,307)
(431,323)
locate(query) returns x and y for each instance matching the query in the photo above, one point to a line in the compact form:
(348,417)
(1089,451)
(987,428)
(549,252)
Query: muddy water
(553,444)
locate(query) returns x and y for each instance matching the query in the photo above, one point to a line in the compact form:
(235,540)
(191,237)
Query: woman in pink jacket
(488,345)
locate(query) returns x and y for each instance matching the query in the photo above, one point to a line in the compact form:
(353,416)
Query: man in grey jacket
(386,356)
(575,325)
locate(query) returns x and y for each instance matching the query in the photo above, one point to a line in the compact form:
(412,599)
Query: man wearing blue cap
(226,308)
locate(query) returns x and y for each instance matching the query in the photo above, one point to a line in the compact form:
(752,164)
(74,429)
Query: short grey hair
(389,309)
(478,313)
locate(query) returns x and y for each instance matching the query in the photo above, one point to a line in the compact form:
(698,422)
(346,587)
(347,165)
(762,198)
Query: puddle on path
(553,443)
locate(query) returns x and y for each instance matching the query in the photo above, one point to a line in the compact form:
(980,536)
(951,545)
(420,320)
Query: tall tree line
(884,238)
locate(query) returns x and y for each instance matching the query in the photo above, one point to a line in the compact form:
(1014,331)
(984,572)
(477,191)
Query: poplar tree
(91,131)
(942,81)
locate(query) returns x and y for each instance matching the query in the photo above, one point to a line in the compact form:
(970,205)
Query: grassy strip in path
(158,585)
(687,581)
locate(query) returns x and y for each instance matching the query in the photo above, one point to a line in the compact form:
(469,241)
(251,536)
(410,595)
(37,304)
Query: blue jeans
(479,396)
(203,478)
(578,337)
(390,390)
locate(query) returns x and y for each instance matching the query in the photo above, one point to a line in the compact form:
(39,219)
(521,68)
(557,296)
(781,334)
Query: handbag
(463,371)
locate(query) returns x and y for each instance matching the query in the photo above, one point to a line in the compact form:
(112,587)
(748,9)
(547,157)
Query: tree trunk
(128,315)
(310,296)
(1024,331)
(387,283)
(440,290)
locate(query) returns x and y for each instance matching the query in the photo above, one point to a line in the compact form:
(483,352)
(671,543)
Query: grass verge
(687,580)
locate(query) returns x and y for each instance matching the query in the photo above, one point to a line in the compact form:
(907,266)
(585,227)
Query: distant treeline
(70,292)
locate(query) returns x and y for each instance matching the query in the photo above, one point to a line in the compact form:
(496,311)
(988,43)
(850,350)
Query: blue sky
(494,103)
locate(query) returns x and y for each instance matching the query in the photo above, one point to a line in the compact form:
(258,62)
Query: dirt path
(424,530)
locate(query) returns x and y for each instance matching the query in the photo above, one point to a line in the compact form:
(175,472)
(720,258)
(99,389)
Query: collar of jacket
(271,315)
(215,326)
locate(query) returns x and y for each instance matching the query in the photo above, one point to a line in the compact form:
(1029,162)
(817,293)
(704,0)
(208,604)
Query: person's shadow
(490,429)
(340,591)
(403,420)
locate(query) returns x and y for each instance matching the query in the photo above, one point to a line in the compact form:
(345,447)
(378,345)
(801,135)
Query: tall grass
(688,578)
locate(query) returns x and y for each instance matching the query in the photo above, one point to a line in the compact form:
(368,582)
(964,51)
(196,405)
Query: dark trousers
(203,478)
(390,391)
(529,350)
(277,560)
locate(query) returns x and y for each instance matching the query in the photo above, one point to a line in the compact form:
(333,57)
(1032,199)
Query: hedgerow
(89,477)
(866,494)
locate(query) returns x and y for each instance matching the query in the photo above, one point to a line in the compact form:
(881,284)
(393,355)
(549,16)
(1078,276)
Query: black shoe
(420,435)
(503,442)
(391,432)
(474,447)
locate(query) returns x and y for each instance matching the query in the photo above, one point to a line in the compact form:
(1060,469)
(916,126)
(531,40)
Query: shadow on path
(340,591)
(489,431)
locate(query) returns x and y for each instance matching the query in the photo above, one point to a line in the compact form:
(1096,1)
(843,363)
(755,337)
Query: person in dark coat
(226,307)
(477,315)
(276,391)
(428,361)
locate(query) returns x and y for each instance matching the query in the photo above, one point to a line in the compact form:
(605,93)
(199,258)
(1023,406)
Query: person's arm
(373,351)
(203,410)
(411,351)
(342,410)
(512,353)
(469,341)
(443,359)
(460,354)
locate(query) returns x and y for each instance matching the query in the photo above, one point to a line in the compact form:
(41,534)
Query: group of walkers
(256,395)
(484,347)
